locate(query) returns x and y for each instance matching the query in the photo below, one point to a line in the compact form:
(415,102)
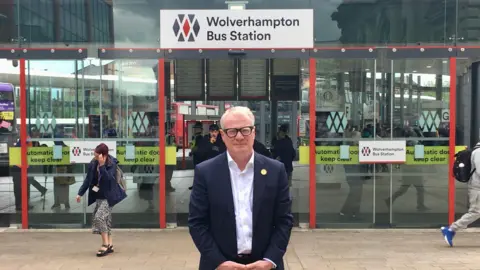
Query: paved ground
(316,250)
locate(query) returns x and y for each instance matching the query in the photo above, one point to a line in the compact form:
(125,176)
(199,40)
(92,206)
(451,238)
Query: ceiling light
(236,5)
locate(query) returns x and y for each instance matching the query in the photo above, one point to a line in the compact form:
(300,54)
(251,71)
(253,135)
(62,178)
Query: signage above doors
(237,29)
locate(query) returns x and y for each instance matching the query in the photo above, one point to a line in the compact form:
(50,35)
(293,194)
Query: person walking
(473,213)
(240,206)
(283,151)
(101,183)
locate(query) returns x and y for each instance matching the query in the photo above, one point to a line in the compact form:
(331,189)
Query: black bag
(462,166)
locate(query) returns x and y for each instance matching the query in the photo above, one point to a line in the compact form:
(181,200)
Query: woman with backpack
(105,191)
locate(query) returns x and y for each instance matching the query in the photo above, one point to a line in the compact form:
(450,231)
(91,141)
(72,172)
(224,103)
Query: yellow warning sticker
(331,155)
(38,156)
(147,155)
(328,155)
(432,155)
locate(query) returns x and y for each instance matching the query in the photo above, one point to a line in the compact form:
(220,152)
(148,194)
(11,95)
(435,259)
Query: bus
(7,124)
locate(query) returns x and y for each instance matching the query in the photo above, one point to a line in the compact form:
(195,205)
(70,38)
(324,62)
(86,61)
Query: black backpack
(462,167)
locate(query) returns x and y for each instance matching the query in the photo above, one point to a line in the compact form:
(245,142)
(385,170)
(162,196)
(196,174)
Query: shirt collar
(232,162)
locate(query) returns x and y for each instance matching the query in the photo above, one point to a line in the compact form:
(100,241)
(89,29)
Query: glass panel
(395,22)
(288,120)
(188,120)
(465,23)
(345,104)
(10,185)
(418,99)
(123,107)
(468,127)
(53,88)
(183,136)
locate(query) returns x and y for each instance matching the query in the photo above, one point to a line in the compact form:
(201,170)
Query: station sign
(231,29)
(445,115)
(83,151)
(382,151)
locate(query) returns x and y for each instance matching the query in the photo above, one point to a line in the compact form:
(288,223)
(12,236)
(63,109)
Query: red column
(453,124)
(312,162)
(23,142)
(161,142)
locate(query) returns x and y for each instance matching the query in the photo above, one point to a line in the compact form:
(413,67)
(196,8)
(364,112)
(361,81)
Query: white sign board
(382,151)
(82,151)
(234,29)
(445,115)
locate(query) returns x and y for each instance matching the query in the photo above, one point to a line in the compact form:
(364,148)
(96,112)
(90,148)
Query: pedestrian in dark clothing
(100,182)
(282,150)
(213,144)
(197,141)
(261,149)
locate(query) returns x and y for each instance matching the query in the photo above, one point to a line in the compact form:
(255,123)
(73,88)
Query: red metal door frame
(161,143)
(452,137)
(23,143)
(312,162)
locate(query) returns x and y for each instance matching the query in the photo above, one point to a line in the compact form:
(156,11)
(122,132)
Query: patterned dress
(102,214)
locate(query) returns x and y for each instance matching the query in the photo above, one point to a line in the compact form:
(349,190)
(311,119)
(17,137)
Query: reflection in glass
(345,114)
(419,188)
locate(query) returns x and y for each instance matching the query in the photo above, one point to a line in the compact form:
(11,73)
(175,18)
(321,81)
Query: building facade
(28,22)
(94,71)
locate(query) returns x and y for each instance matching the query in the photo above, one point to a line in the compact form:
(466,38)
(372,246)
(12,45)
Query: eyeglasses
(232,132)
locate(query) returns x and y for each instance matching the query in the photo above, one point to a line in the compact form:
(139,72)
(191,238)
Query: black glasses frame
(247,133)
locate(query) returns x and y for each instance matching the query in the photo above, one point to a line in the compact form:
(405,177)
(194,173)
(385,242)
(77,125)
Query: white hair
(240,110)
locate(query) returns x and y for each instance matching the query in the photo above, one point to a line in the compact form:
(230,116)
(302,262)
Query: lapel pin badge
(263,172)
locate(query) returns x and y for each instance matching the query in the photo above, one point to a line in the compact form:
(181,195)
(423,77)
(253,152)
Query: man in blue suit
(240,206)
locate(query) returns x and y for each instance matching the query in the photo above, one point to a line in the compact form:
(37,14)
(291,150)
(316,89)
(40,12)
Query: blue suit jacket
(212,215)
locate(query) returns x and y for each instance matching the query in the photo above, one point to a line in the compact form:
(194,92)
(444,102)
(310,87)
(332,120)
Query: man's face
(242,142)
(214,133)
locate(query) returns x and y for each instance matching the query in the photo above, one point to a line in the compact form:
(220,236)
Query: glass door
(206,83)
(414,91)
(122,107)
(345,108)
(53,93)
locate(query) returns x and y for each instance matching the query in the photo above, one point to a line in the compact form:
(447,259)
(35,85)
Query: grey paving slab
(173,249)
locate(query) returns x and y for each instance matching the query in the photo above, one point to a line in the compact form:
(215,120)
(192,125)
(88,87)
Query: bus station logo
(76,151)
(366,151)
(186,27)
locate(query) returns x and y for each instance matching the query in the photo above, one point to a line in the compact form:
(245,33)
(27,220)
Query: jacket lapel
(225,184)
(259,181)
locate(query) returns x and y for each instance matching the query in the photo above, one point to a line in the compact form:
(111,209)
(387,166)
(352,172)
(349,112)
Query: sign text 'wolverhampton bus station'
(229,29)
